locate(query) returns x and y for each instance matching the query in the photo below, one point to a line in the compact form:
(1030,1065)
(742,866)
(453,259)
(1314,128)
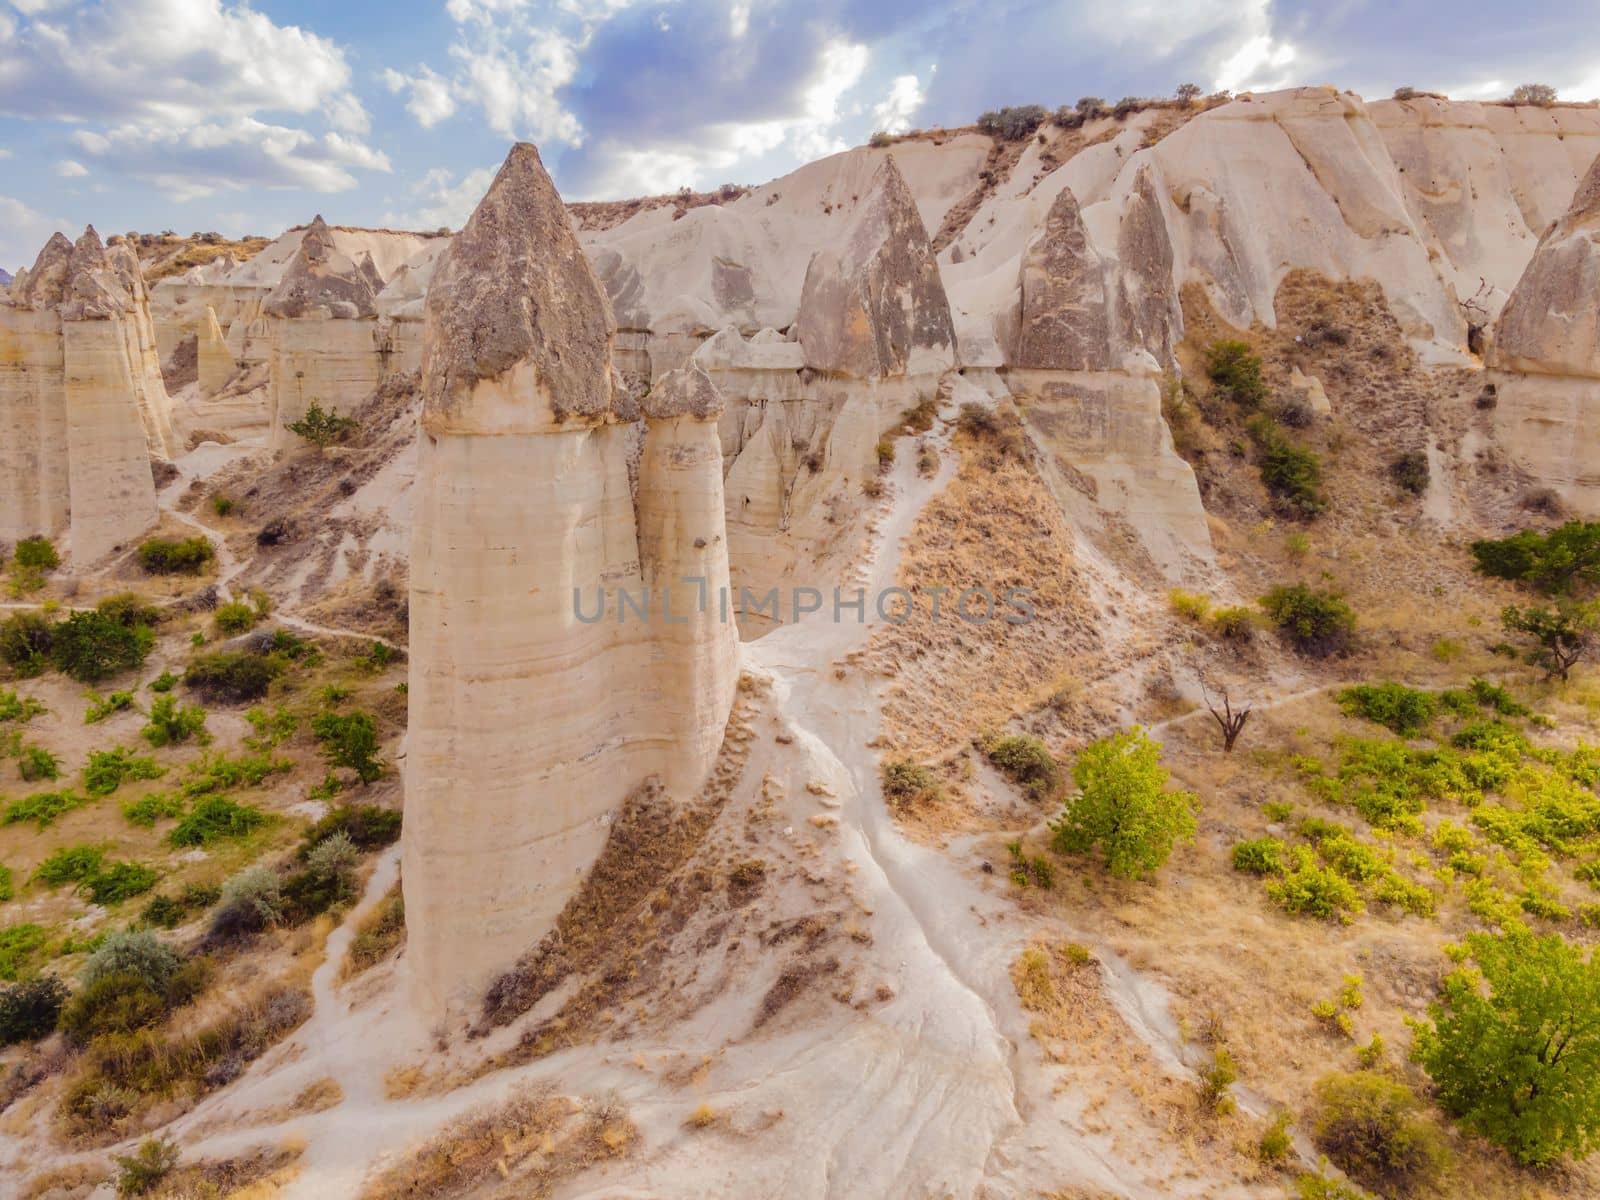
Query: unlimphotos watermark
(897,605)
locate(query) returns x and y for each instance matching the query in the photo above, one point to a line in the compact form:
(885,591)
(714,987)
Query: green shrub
(222,505)
(18,709)
(140,1173)
(17,944)
(70,864)
(1235,370)
(1513,1048)
(321,427)
(36,554)
(1233,623)
(7,888)
(232,676)
(328,879)
(235,617)
(29,1010)
(1290,471)
(139,952)
(368,826)
(251,901)
(168,912)
(1316,623)
(1122,805)
(163,556)
(1276,1140)
(101,707)
(1492,695)
(214,818)
(108,770)
(1554,562)
(1014,122)
(170,724)
(120,1002)
(129,610)
(90,646)
(36,763)
(906,783)
(1030,870)
(147,810)
(25,641)
(118,882)
(349,740)
(1372,1128)
(1216,1077)
(1264,856)
(42,808)
(1027,762)
(1309,889)
(214,773)
(1405,711)
(164,682)
(379,933)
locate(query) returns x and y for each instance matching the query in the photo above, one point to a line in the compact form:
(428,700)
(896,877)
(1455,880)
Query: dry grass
(71,1182)
(521,1149)
(380,932)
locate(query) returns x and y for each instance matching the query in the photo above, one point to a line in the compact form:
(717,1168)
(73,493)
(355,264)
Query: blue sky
(246,118)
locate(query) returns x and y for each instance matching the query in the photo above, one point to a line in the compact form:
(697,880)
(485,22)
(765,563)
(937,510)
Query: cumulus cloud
(431,98)
(68,169)
(894,112)
(442,200)
(230,156)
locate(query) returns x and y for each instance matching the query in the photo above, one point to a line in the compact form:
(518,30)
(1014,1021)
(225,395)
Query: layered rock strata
(539,697)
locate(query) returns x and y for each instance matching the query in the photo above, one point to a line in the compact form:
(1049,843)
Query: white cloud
(23,233)
(234,155)
(431,99)
(4,153)
(1259,64)
(443,201)
(516,88)
(739,19)
(893,114)
(68,169)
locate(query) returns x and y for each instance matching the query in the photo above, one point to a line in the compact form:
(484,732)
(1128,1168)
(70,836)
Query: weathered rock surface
(1545,356)
(82,403)
(534,709)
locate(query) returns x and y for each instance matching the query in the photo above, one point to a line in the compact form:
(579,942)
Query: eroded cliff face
(535,709)
(1545,357)
(81,399)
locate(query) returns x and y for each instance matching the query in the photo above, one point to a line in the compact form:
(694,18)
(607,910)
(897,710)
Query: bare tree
(1231,722)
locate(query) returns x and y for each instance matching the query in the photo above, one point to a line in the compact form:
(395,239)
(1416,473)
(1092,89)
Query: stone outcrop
(536,705)
(81,399)
(216,363)
(1545,357)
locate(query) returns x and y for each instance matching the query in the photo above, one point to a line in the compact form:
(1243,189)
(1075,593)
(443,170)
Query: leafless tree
(1228,719)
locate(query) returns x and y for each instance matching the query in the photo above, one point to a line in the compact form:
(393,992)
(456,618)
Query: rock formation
(216,362)
(81,399)
(1545,356)
(537,702)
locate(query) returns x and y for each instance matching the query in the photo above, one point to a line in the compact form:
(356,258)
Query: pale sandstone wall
(33,425)
(333,361)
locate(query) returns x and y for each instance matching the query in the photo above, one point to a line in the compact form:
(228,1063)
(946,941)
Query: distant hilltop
(5,277)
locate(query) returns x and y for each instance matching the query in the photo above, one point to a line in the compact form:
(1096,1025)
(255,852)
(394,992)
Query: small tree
(1228,720)
(349,740)
(1188,92)
(1123,806)
(1316,623)
(1562,636)
(1090,106)
(140,1173)
(322,428)
(1235,369)
(1514,1046)
(1541,94)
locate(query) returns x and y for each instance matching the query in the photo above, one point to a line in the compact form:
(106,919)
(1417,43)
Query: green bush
(70,864)
(1264,856)
(129,610)
(36,554)
(163,556)
(170,724)
(213,818)
(1554,562)
(235,617)
(18,709)
(1405,711)
(120,1002)
(251,901)
(118,882)
(164,682)
(140,1173)
(107,770)
(1307,888)
(42,808)
(1122,805)
(368,826)
(90,646)
(7,888)
(1315,622)
(215,773)
(1410,472)
(36,763)
(17,945)
(147,810)
(1014,122)
(101,707)
(1027,762)
(349,740)
(25,641)
(1513,1048)
(1373,1129)
(1235,370)
(1562,636)
(906,783)
(137,951)
(1290,471)
(29,1010)
(232,676)
(168,912)
(321,427)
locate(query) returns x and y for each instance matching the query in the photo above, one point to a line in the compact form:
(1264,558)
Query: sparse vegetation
(1563,635)
(29,1010)
(907,784)
(1405,711)
(35,763)
(1123,807)
(140,1173)
(165,556)
(171,724)
(322,427)
(1410,472)
(1235,373)
(1317,623)
(107,770)
(234,618)
(1013,122)
(214,818)
(1541,94)
(1372,1128)
(1556,563)
(1026,762)
(1291,472)
(350,741)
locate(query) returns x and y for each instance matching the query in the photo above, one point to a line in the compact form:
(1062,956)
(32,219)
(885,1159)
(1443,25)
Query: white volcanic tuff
(528,726)
(81,398)
(1545,355)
